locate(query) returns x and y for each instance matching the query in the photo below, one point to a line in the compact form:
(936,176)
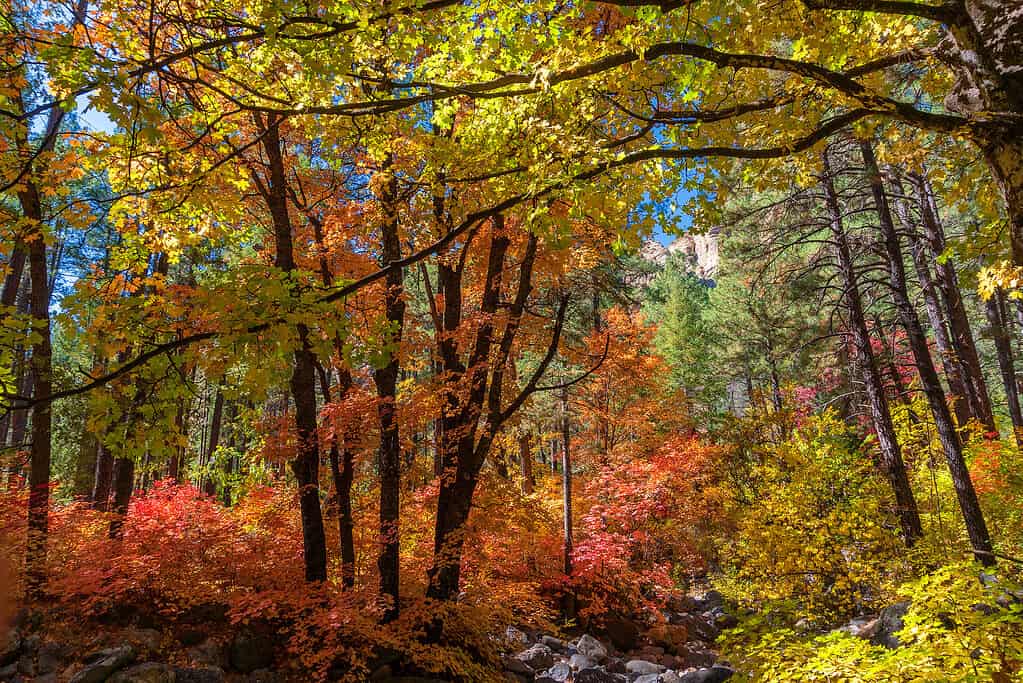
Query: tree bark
(306,464)
(526,463)
(891,454)
(386,380)
(959,324)
(997,320)
(973,516)
(209,484)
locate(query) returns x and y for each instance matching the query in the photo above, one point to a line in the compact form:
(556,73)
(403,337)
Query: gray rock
(581,662)
(861,627)
(11,649)
(8,672)
(51,656)
(670,677)
(100,665)
(710,600)
(516,637)
(560,672)
(150,672)
(516,665)
(598,675)
(641,666)
(556,644)
(209,653)
(591,647)
(208,675)
(889,623)
(715,674)
(538,657)
(251,649)
(648,678)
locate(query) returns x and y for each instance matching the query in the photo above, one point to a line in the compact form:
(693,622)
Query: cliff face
(700,250)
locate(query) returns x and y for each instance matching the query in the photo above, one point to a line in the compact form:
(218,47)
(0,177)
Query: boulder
(209,653)
(648,678)
(208,675)
(670,677)
(641,666)
(556,644)
(515,637)
(150,672)
(559,673)
(512,664)
(52,656)
(264,676)
(693,656)
(11,648)
(591,647)
(698,627)
(100,665)
(537,657)
(623,633)
(598,675)
(889,623)
(715,674)
(578,661)
(861,627)
(709,601)
(252,648)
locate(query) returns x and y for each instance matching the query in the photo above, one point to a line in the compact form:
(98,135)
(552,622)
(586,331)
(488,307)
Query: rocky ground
(678,651)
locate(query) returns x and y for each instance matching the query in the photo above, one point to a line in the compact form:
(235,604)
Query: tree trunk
(85,468)
(209,484)
(526,463)
(102,480)
(891,454)
(997,319)
(306,464)
(973,516)
(959,324)
(42,387)
(386,380)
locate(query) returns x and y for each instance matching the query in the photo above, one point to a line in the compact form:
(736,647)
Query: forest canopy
(355,339)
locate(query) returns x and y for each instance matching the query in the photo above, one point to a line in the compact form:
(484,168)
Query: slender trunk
(973,516)
(42,386)
(342,471)
(306,464)
(386,380)
(568,606)
(209,483)
(949,364)
(997,319)
(959,323)
(85,468)
(891,454)
(103,479)
(526,463)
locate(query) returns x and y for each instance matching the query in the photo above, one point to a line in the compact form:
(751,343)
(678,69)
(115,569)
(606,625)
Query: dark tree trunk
(42,387)
(103,479)
(997,319)
(85,467)
(959,324)
(342,469)
(526,463)
(973,516)
(566,482)
(209,484)
(306,464)
(124,482)
(386,380)
(891,454)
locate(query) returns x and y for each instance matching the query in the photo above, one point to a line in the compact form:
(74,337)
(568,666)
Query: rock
(670,677)
(513,664)
(264,676)
(641,666)
(209,653)
(591,647)
(144,639)
(715,674)
(695,657)
(710,600)
(150,672)
(560,672)
(556,644)
(698,627)
(648,678)
(615,665)
(623,633)
(11,649)
(208,675)
(889,623)
(725,621)
(672,637)
(515,637)
(578,661)
(598,675)
(51,656)
(861,627)
(252,648)
(538,657)
(8,672)
(99,665)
